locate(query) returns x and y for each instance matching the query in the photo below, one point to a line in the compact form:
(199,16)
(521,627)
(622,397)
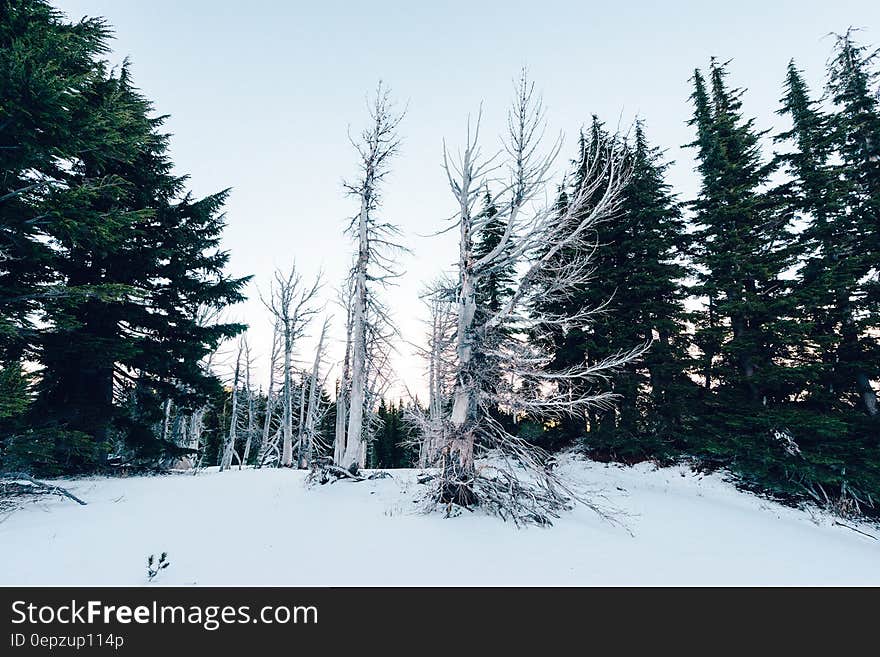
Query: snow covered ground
(266,527)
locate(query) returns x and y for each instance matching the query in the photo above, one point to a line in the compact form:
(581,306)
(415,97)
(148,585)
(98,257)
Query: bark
(270,398)
(251,412)
(354,433)
(314,400)
(229,447)
(373,265)
(287,413)
(301,426)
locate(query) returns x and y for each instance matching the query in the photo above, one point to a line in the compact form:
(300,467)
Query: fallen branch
(328,473)
(858,531)
(425,477)
(51,489)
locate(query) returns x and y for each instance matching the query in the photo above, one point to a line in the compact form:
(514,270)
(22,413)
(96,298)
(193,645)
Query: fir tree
(852,85)
(741,248)
(14,393)
(495,287)
(46,65)
(575,344)
(105,260)
(648,305)
(388,448)
(813,195)
(637,282)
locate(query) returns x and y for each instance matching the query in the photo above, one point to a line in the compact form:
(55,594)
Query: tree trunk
(458,462)
(229,448)
(287,419)
(354,437)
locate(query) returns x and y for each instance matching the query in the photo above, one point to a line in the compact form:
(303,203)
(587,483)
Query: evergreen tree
(388,448)
(637,282)
(495,287)
(813,195)
(742,247)
(105,261)
(856,123)
(648,305)
(575,345)
(835,452)
(46,66)
(14,393)
(160,252)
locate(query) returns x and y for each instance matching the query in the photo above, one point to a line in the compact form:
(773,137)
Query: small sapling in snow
(154,567)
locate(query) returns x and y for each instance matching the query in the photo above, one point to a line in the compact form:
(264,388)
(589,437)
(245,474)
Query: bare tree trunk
(377,145)
(301,425)
(229,447)
(314,400)
(270,396)
(354,433)
(292,305)
(458,461)
(342,392)
(341,421)
(287,414)
(251,416)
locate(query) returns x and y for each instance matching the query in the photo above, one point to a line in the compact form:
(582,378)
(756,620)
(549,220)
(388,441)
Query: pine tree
(637,282)
(575,345)
(835,452)
(14,392)
(856,126)
(388,448)
(649,306)
(46,65)
(813,195)
(106,216)
(742,248)
(105,262)
(495,288)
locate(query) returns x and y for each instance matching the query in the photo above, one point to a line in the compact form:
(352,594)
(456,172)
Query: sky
(262,96)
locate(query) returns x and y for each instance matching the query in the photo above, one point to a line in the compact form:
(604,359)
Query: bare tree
(232,434)
(271,396)
(517,482)
(293,304)
(374,265)
(344,383)
(439,356)
(251,404)
(309,425)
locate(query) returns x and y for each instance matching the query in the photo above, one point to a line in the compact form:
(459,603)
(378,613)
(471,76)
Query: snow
(265,527)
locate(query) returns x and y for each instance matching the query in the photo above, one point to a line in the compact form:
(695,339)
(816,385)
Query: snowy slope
(266,527)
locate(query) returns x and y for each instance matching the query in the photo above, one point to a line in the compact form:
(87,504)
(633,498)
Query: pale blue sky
(261,95)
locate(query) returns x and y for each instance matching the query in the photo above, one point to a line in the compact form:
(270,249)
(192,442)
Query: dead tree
(232,434)
(439,356)
(271,396)
(377,242)
(292,303)
(515,483)
(310,433)
(251,407)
